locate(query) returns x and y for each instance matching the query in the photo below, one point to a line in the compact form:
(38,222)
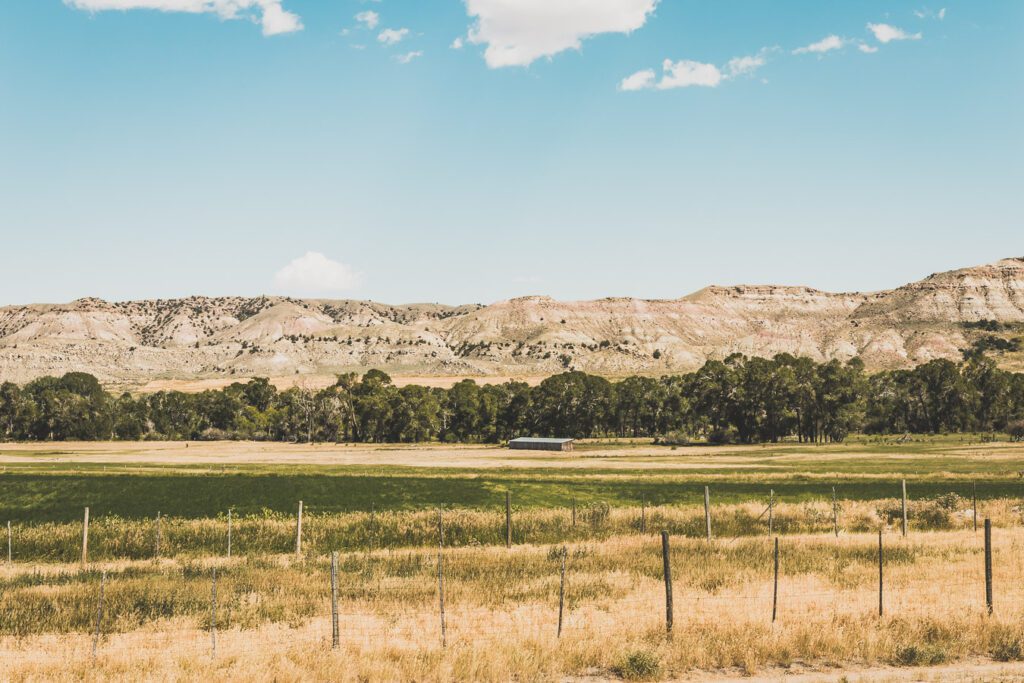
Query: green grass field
(50,485)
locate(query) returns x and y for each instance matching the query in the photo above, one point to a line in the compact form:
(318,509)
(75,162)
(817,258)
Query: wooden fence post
(508,519)
(298,532)
(880,565)
(835,513)
(156,552)
(229,533)
(643,513)
(85,537)
(974,488)
(213,615)
(335,636)
(667,563)
(561,594)
(8,542)
(707,511)
(775,590)
(904,508)
(99,614)
(373,526)
(771,510)
(988,565)
(440,577)
(573,513)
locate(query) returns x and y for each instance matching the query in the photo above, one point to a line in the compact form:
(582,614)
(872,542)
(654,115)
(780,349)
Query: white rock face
(198,337)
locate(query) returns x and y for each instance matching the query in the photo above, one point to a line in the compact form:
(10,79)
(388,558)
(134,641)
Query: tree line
(740,399)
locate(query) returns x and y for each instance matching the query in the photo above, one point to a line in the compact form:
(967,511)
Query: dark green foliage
(1008,645)
(920,655)
(738,400)
(639,665)
(991,342)
(987,325)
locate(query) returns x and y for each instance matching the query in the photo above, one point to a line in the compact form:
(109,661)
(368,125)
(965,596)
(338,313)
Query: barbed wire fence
(456,624)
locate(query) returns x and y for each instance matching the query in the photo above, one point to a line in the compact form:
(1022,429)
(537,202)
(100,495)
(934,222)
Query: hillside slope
(198,337)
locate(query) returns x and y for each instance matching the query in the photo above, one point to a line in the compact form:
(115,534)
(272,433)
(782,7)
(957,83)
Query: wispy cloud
(885,33)
(867,49)
(928,14)
(520,32)
(369,19)
(639,80)
(826,44)
(390,36)
(686,73)
(272,16)
(409,56)
(745,66)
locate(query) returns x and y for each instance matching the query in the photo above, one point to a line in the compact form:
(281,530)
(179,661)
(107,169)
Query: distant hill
(235,337)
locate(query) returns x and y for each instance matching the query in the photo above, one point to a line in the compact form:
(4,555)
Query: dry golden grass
(501,608)
(114,538)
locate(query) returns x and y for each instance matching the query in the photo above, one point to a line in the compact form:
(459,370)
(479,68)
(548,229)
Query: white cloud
(885,33)
(867,49)
(314,273)
(518,32)
(409,56)
(928,14)
(456,44)
(369,18)
(826,44)
(685,72)
(272,16)
(638,81)
(390,36)
(277,20)
(742,66)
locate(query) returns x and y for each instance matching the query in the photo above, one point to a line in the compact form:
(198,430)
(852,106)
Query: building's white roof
(538,439)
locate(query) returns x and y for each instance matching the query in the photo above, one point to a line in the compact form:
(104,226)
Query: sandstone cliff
(196,337)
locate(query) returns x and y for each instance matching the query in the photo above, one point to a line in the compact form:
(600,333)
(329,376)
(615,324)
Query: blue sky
(577,149)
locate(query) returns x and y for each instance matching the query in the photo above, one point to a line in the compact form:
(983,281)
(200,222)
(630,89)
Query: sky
(456,152)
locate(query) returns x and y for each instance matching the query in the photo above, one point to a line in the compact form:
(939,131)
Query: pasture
(429,595)
(54,481)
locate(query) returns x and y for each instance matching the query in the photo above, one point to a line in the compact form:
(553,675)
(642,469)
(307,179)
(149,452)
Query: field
(269,613)
(53,481)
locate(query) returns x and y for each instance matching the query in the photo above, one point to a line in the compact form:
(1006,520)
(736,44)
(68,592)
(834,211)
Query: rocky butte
(135,342)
